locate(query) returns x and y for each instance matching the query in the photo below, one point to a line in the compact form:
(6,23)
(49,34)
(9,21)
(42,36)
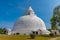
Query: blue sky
(11,10)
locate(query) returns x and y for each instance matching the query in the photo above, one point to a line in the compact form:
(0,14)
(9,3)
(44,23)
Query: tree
(2,31)
(5,31)
(55,20)
(53,23)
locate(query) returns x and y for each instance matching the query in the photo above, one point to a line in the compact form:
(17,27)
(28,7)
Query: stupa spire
(30,8)
(29,11)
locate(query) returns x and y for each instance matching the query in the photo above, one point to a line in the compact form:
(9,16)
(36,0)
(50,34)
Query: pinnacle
(29,11)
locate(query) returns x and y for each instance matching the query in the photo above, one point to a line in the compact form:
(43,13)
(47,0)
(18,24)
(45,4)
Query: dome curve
(28,23)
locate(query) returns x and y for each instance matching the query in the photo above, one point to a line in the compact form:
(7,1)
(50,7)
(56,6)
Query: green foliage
(51,34)
(49,30)
(59,31)
(2,31)
(32,36)
(53,23)
(56,18)
(17,33)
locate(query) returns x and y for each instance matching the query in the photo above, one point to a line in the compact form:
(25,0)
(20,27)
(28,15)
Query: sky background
(11,10)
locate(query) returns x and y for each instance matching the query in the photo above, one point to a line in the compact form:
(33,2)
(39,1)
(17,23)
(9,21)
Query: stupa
(29,22)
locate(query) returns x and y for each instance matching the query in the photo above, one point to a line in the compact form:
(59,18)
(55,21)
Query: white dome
(28,23)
